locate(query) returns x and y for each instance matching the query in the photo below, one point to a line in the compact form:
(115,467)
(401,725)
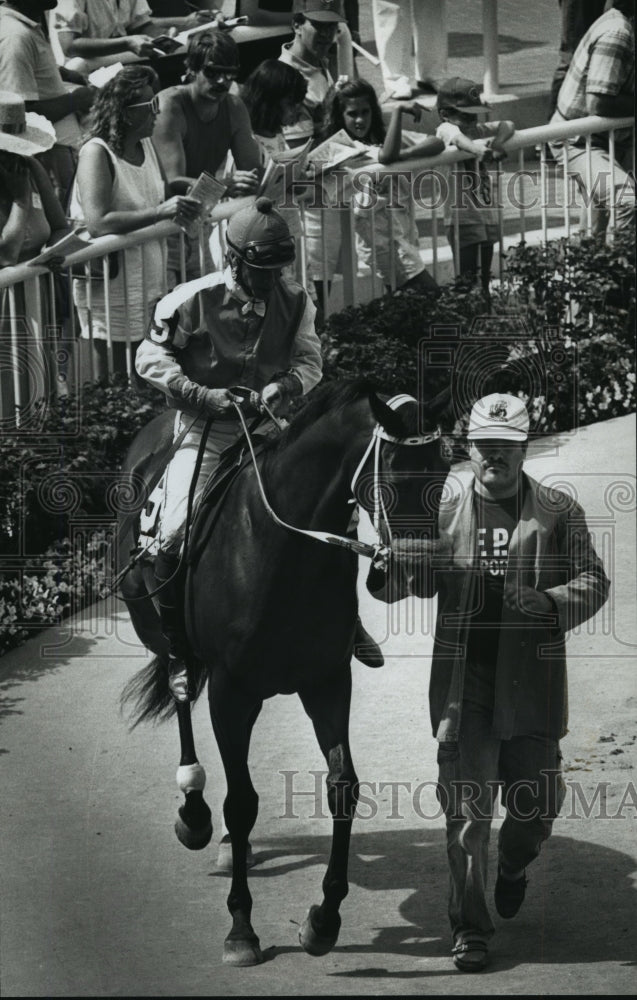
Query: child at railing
(354,107)
(470,206)
(274,94)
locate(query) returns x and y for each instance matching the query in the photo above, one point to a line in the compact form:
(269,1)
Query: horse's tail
(147,695)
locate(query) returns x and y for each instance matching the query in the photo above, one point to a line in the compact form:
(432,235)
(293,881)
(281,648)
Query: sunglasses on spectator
(212,72)
(153,105)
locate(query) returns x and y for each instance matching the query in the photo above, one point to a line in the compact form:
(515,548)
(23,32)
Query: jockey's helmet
(259,236)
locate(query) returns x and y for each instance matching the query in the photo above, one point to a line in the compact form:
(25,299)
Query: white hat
(23,133)
(499,416)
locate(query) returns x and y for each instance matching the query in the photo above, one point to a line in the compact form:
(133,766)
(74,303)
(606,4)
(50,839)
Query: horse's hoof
(224,858)
(311,941)
(194,840)
(240,952)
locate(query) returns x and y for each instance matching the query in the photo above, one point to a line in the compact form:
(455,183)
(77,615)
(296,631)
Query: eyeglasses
(212,72)
(153,105)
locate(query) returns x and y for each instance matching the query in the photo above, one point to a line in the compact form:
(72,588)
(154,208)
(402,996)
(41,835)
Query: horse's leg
(193,825)
(328,708)
(233,714)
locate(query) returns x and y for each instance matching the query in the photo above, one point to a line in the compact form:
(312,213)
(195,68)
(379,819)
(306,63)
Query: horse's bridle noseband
(380,519)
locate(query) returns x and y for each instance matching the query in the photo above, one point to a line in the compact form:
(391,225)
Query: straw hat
(23,133)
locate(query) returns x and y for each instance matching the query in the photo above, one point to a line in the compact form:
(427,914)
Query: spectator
(274,95)
(92,33)
(471,217)
(28,67)
(411,38)
(120,188)
(576,17)
(601,81)
(354,107)
(316,25)
(200,123)
(30,216)
(29,210)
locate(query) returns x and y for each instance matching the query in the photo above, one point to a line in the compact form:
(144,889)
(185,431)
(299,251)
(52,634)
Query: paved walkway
(98,898)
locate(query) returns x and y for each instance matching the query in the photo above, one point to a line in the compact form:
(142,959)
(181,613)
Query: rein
(380,552)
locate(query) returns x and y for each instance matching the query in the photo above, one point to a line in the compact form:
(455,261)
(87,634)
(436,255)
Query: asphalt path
(99,898)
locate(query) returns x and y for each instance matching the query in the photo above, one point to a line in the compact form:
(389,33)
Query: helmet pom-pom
(263,205)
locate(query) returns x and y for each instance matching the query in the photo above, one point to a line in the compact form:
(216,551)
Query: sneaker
(399,90)
(509,894)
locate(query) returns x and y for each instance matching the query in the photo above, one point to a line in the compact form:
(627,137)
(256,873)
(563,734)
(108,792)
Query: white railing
(36,340)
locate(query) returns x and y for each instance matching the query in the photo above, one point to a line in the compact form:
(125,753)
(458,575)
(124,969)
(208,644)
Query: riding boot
(173,626)
(366,649)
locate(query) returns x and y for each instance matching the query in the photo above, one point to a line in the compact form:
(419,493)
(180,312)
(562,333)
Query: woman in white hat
(29,209)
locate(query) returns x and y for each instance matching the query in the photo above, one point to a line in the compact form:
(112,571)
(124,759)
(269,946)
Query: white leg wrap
(191,778)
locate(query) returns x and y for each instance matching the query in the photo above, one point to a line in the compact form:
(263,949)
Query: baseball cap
(320,10)
(498,416)
(461,95)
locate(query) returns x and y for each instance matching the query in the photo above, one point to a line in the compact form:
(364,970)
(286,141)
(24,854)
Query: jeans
(602,194)
(528,768)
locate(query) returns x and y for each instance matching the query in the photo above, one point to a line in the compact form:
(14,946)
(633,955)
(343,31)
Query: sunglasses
(213,73)
(153,105)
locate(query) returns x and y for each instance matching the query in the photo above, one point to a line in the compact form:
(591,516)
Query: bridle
(379,552)
(379,517)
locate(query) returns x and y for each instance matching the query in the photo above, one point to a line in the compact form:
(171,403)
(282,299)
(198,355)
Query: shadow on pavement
(27,663)
(463,43)
(579,907)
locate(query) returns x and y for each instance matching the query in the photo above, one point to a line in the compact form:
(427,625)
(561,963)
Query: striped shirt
(603,63)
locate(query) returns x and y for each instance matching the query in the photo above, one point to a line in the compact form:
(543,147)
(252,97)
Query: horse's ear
(390,420)
(436,410)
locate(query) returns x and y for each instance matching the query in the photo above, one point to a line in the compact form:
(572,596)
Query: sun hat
(320,10)
(500,417)
(23,132)
(460,94)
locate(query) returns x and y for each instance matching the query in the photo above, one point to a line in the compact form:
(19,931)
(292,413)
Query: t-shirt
(319,82)
(100,18)
(28,68)
(496,521)
(470,191)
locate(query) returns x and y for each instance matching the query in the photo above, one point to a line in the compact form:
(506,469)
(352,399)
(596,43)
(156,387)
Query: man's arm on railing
(77,101)
(608,106)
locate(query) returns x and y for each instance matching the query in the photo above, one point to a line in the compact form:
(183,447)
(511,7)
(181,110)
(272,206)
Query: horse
(271,609)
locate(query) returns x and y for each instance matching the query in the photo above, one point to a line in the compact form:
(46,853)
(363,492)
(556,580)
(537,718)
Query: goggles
(152,105)
(273,254)
(212,72)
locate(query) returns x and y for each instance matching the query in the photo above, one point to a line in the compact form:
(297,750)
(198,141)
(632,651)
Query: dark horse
(271,611)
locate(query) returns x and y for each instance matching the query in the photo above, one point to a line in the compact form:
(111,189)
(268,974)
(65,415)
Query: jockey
(244,326)
(248,327)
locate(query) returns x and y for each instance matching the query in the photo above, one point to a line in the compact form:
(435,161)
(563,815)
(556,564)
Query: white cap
(499,416)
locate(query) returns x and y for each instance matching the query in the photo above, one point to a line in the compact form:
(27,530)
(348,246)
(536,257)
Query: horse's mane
(328,398)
